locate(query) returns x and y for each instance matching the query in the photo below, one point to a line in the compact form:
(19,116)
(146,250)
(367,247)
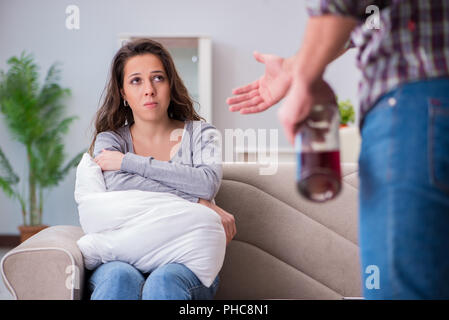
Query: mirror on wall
(193,59)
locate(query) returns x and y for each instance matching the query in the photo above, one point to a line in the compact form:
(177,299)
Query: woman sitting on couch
(149,137)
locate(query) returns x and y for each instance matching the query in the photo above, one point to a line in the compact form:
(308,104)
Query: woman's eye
(158,78)
(135,80)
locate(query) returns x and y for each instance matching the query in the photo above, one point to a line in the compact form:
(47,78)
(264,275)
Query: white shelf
(350,143)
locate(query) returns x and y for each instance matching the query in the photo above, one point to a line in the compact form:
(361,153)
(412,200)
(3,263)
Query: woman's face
(146,87)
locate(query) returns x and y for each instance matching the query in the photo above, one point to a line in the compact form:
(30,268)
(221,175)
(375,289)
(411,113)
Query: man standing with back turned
(404,122)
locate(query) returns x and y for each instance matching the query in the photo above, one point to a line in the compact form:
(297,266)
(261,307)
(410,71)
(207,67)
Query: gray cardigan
(194,172)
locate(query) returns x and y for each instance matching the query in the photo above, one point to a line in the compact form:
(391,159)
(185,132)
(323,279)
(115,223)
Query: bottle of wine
(318,154)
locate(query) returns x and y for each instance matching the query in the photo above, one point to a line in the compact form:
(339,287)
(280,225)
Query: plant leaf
(6,187)
(6,171)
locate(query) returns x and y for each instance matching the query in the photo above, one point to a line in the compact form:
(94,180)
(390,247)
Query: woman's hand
(109,160)
(227,219)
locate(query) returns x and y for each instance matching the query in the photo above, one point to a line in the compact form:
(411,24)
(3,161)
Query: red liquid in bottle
(319,175)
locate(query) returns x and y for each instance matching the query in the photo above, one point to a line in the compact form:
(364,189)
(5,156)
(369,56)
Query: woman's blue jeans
(118,280)
(404,194)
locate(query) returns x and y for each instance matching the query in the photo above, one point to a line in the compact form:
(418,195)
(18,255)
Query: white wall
(236,27)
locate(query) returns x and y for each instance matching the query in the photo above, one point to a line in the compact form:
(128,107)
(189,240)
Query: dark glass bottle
(318,154)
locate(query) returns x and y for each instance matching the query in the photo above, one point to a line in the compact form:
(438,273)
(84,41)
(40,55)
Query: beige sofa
(285,247)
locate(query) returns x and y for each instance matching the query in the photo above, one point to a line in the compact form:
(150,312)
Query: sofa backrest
(287,247)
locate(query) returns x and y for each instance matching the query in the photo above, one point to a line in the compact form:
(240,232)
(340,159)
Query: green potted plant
(347,113)
(34,117)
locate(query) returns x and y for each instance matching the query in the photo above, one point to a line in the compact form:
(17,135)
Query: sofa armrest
(47,266)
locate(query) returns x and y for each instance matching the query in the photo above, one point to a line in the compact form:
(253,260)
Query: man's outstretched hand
(264,92)
(282,78)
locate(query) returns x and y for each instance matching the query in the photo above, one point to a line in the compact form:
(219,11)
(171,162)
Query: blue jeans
(404,194)
(118,280)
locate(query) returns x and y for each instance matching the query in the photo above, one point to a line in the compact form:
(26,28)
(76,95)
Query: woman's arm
(227,219)
(201,180)
(118,180)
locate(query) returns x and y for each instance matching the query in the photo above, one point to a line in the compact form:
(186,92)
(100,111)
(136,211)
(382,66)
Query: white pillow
(91,180)
(145,229)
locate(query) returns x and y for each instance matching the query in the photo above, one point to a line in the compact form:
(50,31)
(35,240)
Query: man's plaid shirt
(412,42)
